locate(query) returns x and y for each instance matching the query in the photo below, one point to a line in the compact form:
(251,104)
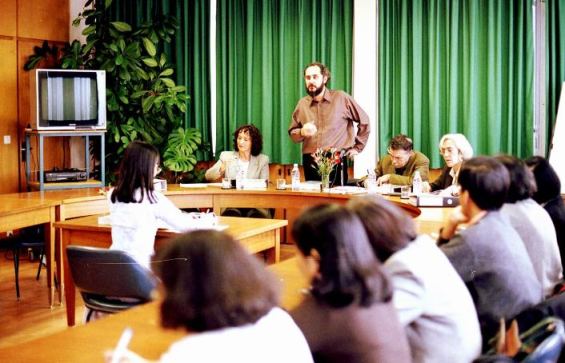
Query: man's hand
(456,217)
(383,179)
(426,188)
(351,153)
(309,129)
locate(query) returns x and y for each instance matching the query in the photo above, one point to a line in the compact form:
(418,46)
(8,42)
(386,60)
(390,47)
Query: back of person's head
(389,228)
(401,142)
(212,282)
(486,180)
(254,135)
(349,272)
(522,181)
(324,70)
(460,142)
(136,171)
(547,180)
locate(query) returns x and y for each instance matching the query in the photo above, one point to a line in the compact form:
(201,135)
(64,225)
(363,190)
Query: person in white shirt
(137,210)
(432,301)
(226,301)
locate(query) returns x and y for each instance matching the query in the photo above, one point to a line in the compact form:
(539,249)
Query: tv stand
(41,184)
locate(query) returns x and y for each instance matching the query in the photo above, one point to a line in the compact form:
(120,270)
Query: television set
(68,99)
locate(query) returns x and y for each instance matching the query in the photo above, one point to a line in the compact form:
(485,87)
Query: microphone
(343,157)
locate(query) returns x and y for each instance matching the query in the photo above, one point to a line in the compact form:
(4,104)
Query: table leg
(273,254)
(69,284)
(49,237)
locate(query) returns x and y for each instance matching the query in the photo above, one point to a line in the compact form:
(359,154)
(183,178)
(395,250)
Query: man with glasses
(401,162)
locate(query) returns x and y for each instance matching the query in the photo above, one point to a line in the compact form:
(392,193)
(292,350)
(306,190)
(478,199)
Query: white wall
(557,152)
(75,7)
(365,77)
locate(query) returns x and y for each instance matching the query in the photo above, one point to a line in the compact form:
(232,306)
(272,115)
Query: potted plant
(144,102)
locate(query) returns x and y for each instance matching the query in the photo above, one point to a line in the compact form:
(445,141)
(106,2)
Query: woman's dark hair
(212,282)
(349,272)
(522,181)
(547,180)
(388,227)
(137,170)
(254,134)
(486,180)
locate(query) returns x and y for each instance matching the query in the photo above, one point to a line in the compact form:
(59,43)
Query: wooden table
(19,212)
(87,343)
(258,235)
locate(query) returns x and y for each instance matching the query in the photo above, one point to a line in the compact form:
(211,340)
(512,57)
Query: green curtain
(555,60)
(457,66)
(188,52)
(262,48)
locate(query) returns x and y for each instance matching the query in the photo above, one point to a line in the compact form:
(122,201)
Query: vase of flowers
(326,160)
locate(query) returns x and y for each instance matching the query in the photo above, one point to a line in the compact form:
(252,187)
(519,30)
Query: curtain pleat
(555,60)
(262,48)
(457,66)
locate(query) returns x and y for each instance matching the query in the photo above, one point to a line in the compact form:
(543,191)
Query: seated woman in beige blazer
(247,158)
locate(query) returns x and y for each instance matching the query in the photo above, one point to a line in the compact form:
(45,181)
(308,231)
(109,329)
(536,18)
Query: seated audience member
(489,254)
(226,301)
(136,209)
(454,148)
(432,301)
(532,223)
(348,315)
(399,165)
(247,159)
(548,195)
(247,143)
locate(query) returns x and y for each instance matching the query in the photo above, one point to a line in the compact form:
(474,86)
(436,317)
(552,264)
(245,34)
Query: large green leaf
(150,62)
(149,46)
(121,26)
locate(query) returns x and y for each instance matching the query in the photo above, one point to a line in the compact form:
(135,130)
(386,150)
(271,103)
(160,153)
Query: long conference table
(62,205)
(87,343)
(257,235)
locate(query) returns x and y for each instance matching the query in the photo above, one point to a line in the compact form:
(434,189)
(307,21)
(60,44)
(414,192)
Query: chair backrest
(546,339)
(109,273)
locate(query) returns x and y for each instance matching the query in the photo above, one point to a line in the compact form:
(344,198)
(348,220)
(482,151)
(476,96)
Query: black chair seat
(29,237)
(107,304)
(109,280)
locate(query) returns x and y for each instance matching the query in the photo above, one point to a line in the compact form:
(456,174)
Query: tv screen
(66,98)
(70,99)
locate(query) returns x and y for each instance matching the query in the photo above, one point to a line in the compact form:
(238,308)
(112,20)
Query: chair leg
(16,253)
(41,254)
(89,314)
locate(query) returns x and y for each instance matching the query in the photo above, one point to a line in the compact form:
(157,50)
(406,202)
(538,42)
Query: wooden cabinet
(23,25)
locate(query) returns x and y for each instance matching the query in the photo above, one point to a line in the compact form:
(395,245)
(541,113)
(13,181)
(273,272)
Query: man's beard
(316,91)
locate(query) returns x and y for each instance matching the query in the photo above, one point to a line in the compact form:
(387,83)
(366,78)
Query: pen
(122,345)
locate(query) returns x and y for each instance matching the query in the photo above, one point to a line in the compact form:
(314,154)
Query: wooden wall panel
(8,17)
(8,117)
(45,19)
(54,150)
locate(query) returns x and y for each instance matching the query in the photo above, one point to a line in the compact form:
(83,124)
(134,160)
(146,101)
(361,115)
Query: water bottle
(417,183)
(295,177)
(371,182)
(239,178)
